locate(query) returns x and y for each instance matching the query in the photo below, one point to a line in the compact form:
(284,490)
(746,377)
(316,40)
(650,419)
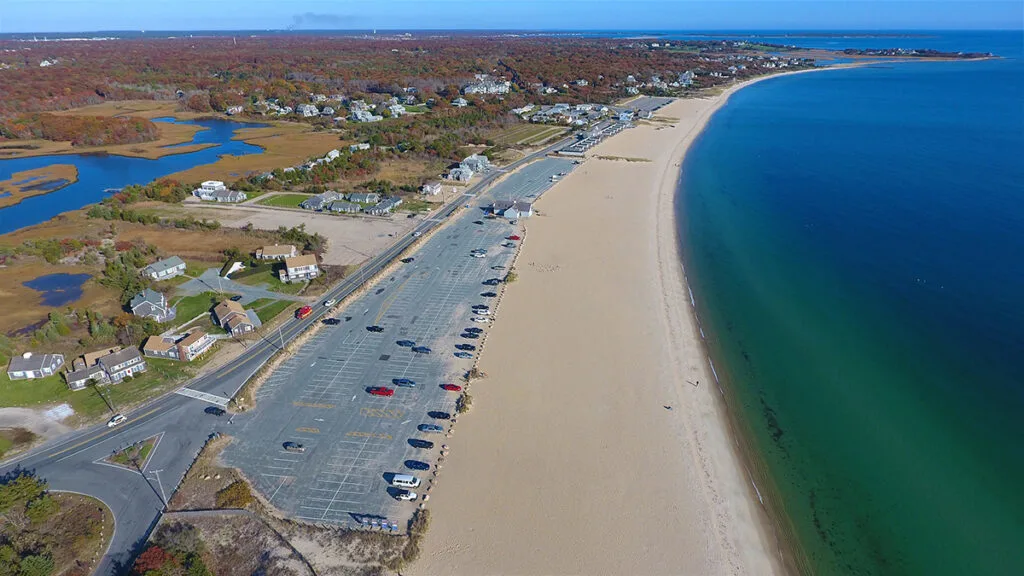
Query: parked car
(214,411)
(478,255)
(374,329)
(492,282)
(417,234)
(330,302)
(509,245)
(514,237)
(236,298)
(294,447)
(478,222)
(480,319)
(451,387)
(470,335)
(381,391)
(424,444)
(405,495)
(116,420)
(488,294)
(331,321)
(482,311)
(421,350)
(466,347)
(303,312)
(463,355)
(499,267)
(479,306)
(407,260)
(474,330)
(439,415)
(416,465)
(432,428)
(406,343)
(403,382)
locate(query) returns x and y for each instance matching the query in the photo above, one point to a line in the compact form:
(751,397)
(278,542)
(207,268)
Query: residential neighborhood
(165,269)
(185,348)
(108,366)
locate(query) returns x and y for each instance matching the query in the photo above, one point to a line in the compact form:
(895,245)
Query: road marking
(377,435)
(389,413)
(310,430)
(101,435)
(312,405)
(204,396)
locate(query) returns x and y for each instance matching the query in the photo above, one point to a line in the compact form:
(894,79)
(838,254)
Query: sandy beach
(591,448)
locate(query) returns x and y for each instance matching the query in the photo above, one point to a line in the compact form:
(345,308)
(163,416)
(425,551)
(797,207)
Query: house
(431,189)
(385,206)
(232,110)
(332,155)
(460,102)
(364,197)
(396,110)
(364,116)
(320,201)
(345,207)
(81,377)
(512,209)
(216,191)
(327,111)
(487,85)
(357,147)
(166,268)
(632,90)
(299,268)
(29,366)
(122,364)
(152,304)
(460,174)
(626,116)
(155,347)
(232,317)
(582,82)
(307,110)
(193,345)
(275,252)
(476,163)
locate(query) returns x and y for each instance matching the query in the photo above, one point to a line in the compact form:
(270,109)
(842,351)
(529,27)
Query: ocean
(854,239)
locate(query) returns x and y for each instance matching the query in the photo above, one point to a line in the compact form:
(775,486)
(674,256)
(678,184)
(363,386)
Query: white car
(117,419)
(480,319)
(406,495)
(330,302)
(478,255)
(482,311)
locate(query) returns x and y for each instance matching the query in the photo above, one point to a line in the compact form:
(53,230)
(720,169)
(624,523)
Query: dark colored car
(213,410)
(470,335)
(433,428)
(478,222)
(403,382)
(451,387)
(381,391)
(474,330)
(480,306)
(294,447)
(331,321)
(466,347)
(439,415)
(406,343)
(492,282)
(236,298)
(407,260)
(374,329)
(417,443)
(489,294)
(464,355)
(421,350)
(416,465)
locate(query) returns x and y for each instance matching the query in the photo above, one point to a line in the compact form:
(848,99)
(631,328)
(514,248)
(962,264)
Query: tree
(38,565)
(152,559)
(20,490)
(41,508)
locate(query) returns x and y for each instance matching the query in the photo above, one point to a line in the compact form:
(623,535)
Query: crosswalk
(205,397)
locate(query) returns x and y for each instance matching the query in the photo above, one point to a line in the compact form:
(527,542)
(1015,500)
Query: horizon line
(529,30)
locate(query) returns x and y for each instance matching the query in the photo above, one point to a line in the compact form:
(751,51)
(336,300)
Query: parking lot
(355,441)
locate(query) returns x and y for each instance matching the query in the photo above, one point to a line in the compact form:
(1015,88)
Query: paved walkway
(210,281)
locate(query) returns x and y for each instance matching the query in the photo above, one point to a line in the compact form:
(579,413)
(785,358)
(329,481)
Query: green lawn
(191,306)
(270,311)
(416,108)
(271,281)
(416,205)
(140,451)
(259,303)
(284,200)
(5,445)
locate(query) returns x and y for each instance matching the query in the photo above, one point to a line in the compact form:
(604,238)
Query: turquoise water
(854,239)
(98,173)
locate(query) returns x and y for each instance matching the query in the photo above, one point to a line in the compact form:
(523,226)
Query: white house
(232,110)
(166,268)
(332,155)
(512,209)
(29,365)
(275,252)
(299,268)
(307,110)
(460,174)
(357,147)
(431,189)
(460,102)
(476,163)
(216,191)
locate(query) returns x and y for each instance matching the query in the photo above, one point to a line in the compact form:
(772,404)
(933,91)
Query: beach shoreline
(718,523)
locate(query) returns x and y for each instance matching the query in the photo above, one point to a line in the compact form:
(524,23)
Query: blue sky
(88,15)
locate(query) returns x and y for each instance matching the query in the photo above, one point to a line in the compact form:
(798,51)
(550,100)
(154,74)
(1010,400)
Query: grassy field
(526,134)
(270,281)
(270,311)
(191,306)
(284,200)
(416,205)
(416,108)
(552,133)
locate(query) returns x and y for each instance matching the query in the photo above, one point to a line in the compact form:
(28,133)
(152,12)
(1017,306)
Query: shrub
(41,508)
(463,403)
(38,565)
(235,495)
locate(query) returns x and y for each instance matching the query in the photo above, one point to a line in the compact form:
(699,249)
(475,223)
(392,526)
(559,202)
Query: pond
(99,173)
(59,289)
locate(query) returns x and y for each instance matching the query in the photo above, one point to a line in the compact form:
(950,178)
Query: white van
(405,481)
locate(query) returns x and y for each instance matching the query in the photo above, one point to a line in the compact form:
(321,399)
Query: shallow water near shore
(853,238)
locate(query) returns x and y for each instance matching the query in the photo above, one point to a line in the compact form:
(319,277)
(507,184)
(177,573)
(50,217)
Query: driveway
(210,280)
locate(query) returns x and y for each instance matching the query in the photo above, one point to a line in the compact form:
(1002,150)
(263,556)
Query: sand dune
(590,448)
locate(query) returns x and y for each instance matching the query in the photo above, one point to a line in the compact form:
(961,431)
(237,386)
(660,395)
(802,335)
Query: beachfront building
(384,206)
(364,197)
(431,189)
(344,207)
(512,209)
(299,269)
(165,269)
(29,365)
(275,252)
(152,304)
(235,319)
(320,201)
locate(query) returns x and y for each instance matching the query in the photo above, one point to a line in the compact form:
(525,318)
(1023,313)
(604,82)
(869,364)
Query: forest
(80,130)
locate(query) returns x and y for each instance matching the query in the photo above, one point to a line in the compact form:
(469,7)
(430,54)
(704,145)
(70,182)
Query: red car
(451,387)
(381,391)
(514,237)
(303,312)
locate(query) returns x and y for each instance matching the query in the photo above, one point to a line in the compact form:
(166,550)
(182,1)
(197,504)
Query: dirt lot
(350,239)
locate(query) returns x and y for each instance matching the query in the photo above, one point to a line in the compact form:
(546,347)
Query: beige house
(185,349)
(275,252)
(299,268)
(232,317)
